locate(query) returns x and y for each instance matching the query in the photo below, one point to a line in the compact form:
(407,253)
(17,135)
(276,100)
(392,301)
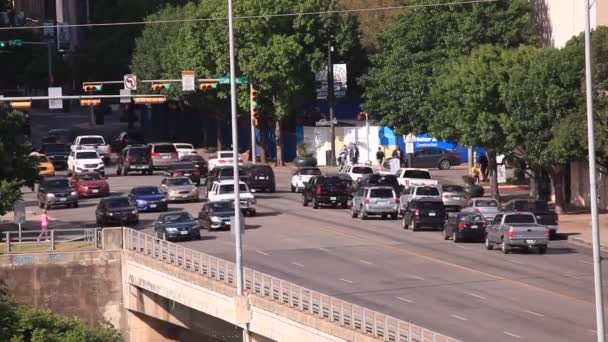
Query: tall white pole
(235,154)
(597,261)
(252,130)
(369,158)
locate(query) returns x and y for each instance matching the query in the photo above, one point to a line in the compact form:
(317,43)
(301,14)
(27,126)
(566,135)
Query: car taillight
(318,190)
(510,233)
(196,172)
(174,154)
(128,159)
(417,212)
(155,154)
(366,201)
(467,196)
(397,201)
(178,173)
(461,225)
(476,210)
(445,196)
(221,161)
(547,233)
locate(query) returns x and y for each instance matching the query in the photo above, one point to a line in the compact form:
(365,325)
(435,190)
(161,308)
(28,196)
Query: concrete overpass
(166,292)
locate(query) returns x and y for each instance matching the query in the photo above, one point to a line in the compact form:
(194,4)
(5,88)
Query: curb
(509,188)
(582,242)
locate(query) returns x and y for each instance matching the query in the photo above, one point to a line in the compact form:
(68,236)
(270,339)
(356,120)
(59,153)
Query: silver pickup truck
(517,229)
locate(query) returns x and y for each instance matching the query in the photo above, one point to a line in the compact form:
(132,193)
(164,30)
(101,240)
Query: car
(174,226)
(163,155)
(260,177)
(198,161)
(216,215)
(424,212)
(377,179)
(184,149)
(486,206)
(179,189)
(186,169)
(134,158)
(454,197)
(62,135)
(149,198)
(116,210)
(45,167)
(410,177)
(517,229)
(416,192)
(465,226)
(224,191)
(223,158)
(544,215)
(56,191)
(95,142)
(436,157)
(85,160)
(375,200)
(224,172)
(90,184)
(327,189)
(357,171)
(48,139)
(57,154)
(302,176)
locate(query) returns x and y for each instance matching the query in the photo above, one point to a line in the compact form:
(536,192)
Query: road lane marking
(476,295)
(347,281)
(297,264)
(405,300)
(459,317)
(586,262)
(366,262)
(511,334)
(534,313)
(417,277)
(263,253)
(324,249)
(462,247)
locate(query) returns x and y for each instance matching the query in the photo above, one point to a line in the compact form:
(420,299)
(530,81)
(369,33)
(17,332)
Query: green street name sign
(225,79)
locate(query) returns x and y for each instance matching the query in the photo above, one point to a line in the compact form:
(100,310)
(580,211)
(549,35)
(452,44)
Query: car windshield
(427,191)
(58,132)
(229,172)
(57,183)
(138,152)
(89,177)
(184,146)
(178,181)
(261,170)
(472,218)
(54,148)
(310,172)
(164,149)
(87,155)
(430,205)
(152,190)
(536,206)
(91,141)
(122,202)
(229,188)
(192,158)
(452,188)
(332,180)
(362,170)
(383,179)
(418,174)
(176,218)
(221,207)
(225,155)
(519,219)
(182,166)
(486,203)
(381,193)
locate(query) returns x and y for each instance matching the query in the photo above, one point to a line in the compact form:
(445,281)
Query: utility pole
(253,120)
(597,259)
(330,100)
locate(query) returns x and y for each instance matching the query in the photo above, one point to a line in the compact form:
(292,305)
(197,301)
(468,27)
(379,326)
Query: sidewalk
(577,228)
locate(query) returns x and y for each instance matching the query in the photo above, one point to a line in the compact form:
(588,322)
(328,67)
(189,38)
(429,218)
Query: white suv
(223,158)
(85,160)
(224,191)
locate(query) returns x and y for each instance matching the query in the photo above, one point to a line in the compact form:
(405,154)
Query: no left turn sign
(130,82)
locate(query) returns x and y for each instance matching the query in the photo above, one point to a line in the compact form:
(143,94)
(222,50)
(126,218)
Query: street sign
(340,82)
(187,80)
(125,99)
(225,79)
(130,82)
(501,174)
(55,92)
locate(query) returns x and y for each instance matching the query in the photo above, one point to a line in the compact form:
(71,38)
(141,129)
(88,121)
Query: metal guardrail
(346,314)
(53,238)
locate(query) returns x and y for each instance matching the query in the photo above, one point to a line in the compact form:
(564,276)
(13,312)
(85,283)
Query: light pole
(597,261)
(330,100)
(369,159)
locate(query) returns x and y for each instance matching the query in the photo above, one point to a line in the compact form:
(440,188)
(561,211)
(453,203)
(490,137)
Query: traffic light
(91,86)
(150,100)
(10,43)
(161,86)
(253,97)
(21,104)
(90,102)
(207,85)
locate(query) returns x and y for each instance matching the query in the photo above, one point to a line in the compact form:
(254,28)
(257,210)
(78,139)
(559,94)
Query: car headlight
(164,199)
(110,214)
(73,193)
(193,190)
(134,211)
(50,195)
(216,219)
(171,230)
(141,202)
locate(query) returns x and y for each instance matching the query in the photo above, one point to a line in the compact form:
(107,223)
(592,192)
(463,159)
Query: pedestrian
(483,164)
(356,158)
(342,158)
(380,157)
(395,154)
(476,172)
(44,225)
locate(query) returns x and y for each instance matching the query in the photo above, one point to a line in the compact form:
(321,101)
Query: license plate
(474,227)
(184,232)
(382,202)
(186,174)
(63,199)
(152,205)
(262,178)
(455,197)
(333,198)
(432,214)
(95,191)
(530,241)
(165,157)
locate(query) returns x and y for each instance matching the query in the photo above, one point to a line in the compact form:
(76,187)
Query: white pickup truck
(410,177)
(224,191)
(92,141)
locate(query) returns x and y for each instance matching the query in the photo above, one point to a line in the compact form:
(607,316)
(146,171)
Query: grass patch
(45,246)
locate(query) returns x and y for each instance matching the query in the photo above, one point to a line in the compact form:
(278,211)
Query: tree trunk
(218,133)
(493,175)
(263,144)
(558,177)
(279,143)
(533,183)
(543,184)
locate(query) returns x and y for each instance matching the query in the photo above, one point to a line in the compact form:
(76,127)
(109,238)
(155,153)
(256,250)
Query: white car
(357,171)
(301,176)
(411,177)
(96,142)
(184,150)
(85,160)
(224,191)
(223,158)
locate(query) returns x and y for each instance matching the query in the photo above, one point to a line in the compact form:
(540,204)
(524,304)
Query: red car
(90,184)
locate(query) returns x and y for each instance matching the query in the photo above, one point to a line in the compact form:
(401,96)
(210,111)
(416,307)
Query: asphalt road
(457,289)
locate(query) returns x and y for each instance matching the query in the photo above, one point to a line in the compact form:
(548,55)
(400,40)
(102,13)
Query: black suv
(326,190)
(57,154)
(185,169)
(55,191)
(117,210)
(134,158)
(424,212)
(224,172)
(198,161)
(376,179)
(260,177)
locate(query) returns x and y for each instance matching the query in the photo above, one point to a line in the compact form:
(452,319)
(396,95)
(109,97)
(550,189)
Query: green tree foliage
(413,51)
(18,169)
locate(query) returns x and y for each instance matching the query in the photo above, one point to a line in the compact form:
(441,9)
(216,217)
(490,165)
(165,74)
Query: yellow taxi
(44,164)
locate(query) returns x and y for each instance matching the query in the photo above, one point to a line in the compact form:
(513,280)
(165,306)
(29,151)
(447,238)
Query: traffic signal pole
(330,101)
(253,161)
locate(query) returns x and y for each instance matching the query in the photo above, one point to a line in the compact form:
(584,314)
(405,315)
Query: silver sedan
(179,189)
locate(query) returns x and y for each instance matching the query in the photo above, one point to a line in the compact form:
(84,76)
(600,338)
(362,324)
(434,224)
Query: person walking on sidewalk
(380,157)
(44,225)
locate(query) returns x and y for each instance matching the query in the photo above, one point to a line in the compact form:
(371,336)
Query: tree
(413,51)
(18,169)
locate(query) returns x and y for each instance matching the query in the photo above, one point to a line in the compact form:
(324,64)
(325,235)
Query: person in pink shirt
(44,225)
